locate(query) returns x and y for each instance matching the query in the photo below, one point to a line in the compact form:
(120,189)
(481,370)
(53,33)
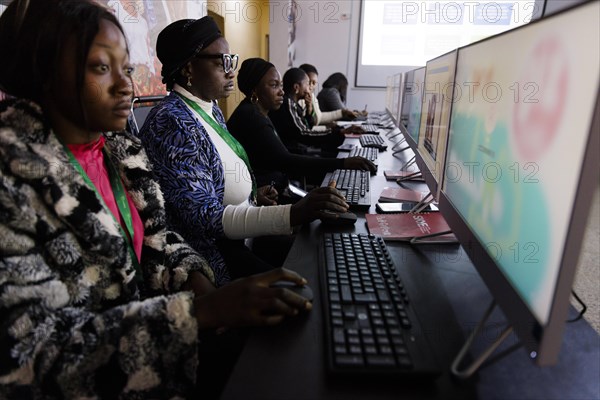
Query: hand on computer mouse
(301,290)
(310,207)
(251,301)
(338,219)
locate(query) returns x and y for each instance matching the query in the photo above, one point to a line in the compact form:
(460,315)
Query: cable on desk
(583,310)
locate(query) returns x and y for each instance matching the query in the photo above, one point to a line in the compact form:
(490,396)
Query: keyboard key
(381,361)
(365,298)
(338,336)
(405,362)
(349,360)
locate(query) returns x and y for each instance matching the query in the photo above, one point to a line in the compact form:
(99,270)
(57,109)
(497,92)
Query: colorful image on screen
(519,127)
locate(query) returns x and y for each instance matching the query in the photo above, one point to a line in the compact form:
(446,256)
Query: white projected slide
(413,32)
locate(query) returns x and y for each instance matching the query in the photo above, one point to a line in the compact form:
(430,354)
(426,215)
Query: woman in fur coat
(97,297)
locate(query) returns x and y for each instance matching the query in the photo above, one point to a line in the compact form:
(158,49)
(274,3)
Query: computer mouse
(342,219)
(303,291)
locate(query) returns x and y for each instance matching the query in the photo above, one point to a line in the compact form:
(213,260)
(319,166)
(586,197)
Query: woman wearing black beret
(209,188)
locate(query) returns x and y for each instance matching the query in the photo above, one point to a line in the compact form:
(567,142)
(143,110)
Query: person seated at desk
(311,104)
(294,127)
(260,82)
(333,95)
(99,299)
(205,174)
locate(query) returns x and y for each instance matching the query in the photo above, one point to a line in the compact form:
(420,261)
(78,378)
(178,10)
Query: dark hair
(31,35)
(291,77)
(251,73)
(180,41)
(337,81)
(308,69)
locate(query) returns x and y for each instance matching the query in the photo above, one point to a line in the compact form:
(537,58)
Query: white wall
(327,37)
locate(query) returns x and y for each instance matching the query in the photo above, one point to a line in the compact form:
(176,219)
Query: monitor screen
(396,96)
(405,103)
(435,118)
(522,163)
(553,6)
(413,101)
(389,90)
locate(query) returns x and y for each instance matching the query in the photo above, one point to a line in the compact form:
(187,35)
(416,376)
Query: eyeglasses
(230,61)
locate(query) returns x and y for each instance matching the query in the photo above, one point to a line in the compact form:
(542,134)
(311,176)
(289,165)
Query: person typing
(204,172)
(261,83)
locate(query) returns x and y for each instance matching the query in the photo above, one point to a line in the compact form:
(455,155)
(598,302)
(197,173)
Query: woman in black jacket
(250,124)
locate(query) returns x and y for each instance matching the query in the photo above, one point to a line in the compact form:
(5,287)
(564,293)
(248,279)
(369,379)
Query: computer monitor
(522,165)
(554,6)
(389,90)
(404,104)
(435,118)
(397,92)
(411,107)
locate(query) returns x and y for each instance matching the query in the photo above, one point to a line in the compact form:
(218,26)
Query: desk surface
(288,361)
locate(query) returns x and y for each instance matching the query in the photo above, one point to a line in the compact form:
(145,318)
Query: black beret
(181,41)
(251,72)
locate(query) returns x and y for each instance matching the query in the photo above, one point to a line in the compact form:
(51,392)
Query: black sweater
(268,155)
(294,129)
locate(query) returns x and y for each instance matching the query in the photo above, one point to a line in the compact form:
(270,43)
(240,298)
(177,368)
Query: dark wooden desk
(288,361)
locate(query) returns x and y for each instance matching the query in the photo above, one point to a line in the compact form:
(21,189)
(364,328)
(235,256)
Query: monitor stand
(474,366)
(409,177)
(420,206)
(408,164)
(394,134)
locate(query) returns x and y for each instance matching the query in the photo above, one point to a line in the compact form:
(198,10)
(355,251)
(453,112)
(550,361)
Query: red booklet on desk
(405,175)
(398,195)
(416,228)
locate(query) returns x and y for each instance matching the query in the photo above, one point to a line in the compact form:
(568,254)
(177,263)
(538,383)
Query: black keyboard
(370,326)
(370,128)
(369,153)
(354,185)
(375,141)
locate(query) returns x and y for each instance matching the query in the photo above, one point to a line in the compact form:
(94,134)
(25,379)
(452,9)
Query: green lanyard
(120,198)
(237,148)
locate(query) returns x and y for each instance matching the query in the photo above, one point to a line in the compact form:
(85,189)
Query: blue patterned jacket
(190,172)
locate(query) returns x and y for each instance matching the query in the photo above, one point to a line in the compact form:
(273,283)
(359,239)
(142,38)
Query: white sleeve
(323,118)
(245,221)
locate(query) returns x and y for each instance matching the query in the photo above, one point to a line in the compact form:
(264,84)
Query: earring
(254,98)
(189,82)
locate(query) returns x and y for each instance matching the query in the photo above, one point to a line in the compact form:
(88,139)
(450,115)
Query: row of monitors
(505,132)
